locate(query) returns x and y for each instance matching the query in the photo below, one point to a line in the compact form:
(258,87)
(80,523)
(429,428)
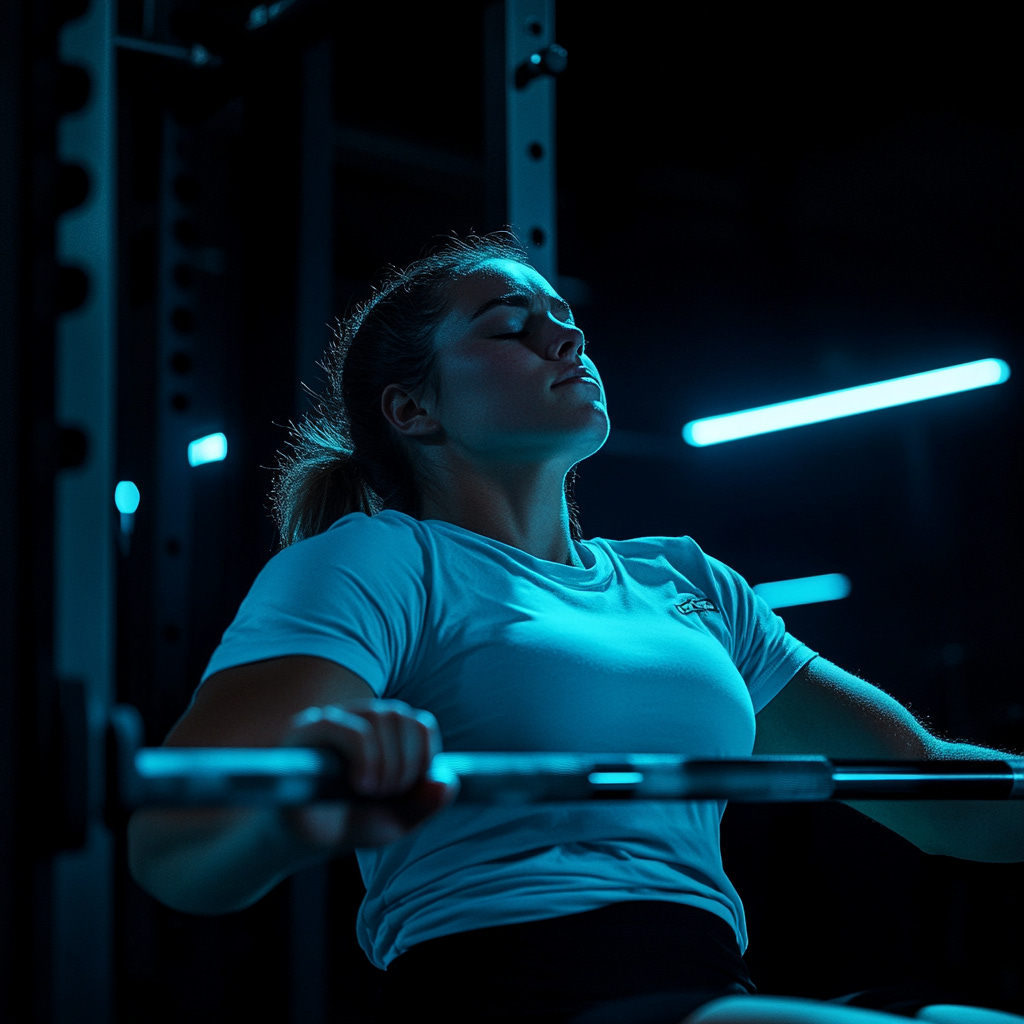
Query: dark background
(752,206)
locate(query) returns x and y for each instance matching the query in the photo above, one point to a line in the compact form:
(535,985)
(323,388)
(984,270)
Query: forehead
(493,279)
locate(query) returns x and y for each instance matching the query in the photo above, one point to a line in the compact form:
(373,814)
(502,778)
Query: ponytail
(316,486)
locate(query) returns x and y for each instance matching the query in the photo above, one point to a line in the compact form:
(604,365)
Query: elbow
(163,878)
(178,872)
(174,888)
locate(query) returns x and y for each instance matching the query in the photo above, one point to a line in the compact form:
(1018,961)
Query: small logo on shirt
(695,604)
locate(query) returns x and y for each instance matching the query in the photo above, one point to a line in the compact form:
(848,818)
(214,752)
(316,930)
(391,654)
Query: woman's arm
(825,710)
(211,861)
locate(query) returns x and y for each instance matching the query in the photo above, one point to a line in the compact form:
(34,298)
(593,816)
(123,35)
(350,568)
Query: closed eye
(525,330)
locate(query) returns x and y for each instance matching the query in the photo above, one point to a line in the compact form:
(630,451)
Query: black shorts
(639,962)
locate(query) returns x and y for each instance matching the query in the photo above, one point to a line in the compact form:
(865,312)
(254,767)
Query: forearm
(824,710)
(214,861)
(980,830)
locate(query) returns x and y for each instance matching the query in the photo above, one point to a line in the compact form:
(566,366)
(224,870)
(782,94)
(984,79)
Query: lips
(578,376)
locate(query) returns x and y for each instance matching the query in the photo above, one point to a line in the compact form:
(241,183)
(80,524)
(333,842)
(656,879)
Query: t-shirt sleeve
(766,655)
(354,595)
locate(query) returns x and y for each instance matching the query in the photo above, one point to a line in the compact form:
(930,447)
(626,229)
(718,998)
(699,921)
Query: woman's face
(514,382)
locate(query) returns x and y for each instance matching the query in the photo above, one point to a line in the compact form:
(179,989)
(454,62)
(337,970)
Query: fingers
(404,742)
(387,745)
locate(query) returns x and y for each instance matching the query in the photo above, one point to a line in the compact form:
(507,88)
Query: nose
(560,340)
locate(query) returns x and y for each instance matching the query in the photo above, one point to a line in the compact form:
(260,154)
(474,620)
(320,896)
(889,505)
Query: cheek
(467,396)
(482,382)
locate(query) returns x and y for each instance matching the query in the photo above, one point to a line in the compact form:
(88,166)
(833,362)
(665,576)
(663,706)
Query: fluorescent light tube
(848,402)
(832,586)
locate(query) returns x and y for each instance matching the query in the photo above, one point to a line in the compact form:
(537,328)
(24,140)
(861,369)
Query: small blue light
(126,497)
(832,586)
(212,448)
(615,778)
(849,402)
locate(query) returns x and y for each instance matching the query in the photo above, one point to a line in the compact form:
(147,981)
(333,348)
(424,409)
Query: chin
(594,442)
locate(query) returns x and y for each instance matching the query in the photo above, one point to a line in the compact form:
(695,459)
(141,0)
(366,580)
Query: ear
(405,413)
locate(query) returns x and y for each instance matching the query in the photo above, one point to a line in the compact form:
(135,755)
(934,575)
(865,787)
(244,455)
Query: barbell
(141,776)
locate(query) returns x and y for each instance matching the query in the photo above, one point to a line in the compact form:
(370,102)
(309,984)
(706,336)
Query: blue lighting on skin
(799,412)
(126,497)
(212,448)
(832,586)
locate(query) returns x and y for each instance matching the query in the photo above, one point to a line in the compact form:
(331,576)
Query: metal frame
(76,977)
(82,976)
(521,126)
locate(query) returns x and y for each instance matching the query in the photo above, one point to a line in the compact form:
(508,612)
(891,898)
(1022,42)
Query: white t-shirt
(651,647)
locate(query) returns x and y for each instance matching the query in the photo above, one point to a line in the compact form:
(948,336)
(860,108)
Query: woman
(433,583)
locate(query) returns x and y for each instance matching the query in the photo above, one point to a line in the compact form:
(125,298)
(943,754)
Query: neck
(523,507)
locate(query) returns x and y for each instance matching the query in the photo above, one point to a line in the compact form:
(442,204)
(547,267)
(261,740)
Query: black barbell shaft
(935,780)
(171,776)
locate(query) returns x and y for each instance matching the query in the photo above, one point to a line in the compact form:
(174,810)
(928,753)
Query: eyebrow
(520,300)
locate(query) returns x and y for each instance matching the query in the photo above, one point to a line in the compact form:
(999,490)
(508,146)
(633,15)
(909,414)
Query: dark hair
(344,456)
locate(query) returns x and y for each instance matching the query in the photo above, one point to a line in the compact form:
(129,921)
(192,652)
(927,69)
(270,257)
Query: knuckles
(387,743)
(388,747)
(393,712)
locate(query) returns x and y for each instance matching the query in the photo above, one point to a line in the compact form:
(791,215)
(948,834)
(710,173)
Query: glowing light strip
(212,448)
(831,586)
(848,402)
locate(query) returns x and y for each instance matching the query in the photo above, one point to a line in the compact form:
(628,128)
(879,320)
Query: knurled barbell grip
(514,778)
